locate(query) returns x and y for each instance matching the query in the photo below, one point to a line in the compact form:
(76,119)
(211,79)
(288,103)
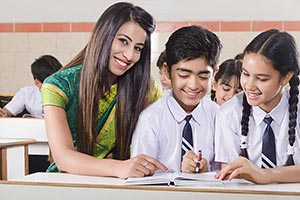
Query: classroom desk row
(68,186)
(14,157)
(19,138)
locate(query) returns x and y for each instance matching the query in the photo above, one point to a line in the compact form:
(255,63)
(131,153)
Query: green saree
(61,89)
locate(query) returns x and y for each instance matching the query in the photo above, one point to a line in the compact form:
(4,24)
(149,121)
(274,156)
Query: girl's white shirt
(228,131)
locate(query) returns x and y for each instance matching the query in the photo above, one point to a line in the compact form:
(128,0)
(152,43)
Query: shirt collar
(177,111)
(277,113)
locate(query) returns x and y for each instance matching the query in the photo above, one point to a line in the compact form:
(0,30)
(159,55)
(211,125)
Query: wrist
(270,175)
(116,168)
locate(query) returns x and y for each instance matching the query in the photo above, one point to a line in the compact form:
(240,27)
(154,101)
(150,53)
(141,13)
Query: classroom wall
(31,28)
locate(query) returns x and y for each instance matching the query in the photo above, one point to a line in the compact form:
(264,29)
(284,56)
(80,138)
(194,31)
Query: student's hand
(4,112)
(243,168)
(189,161)
(140,166)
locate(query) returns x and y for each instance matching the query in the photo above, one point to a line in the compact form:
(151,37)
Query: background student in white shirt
(192,54)
(29,97)
(270,62)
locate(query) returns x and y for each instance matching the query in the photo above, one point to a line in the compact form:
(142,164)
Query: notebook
(176,179)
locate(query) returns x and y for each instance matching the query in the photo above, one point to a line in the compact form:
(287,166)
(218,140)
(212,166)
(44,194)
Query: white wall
(162,10)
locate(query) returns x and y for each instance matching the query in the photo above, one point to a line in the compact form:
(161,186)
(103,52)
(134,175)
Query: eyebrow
(120,34)
(190,71)
(264,75)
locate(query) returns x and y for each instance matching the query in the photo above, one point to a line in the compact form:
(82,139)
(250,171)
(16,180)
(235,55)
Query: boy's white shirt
(28,97)
(159,131)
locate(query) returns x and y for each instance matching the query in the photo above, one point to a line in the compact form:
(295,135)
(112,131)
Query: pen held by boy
(198,161)
(189,163)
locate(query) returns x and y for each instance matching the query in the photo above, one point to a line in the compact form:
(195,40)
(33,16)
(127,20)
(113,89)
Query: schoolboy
(192,54)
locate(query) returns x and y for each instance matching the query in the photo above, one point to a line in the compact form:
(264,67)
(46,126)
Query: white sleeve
(144,140)
(227,140)
(17,104)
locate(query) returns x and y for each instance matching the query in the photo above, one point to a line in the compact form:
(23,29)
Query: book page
(157,178)
(196,179)
(207,176)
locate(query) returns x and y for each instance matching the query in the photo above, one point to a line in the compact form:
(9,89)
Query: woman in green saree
(92,106)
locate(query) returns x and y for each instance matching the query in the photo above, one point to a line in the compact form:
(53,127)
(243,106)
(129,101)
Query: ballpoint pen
(198,163)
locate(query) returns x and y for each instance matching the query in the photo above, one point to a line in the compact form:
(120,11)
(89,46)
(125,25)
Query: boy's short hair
(192,42)
(44,66)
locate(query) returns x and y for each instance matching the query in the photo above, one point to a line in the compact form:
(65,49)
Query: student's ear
(214,84)
(215,71)
(287,78)
(38,83)
(166,69)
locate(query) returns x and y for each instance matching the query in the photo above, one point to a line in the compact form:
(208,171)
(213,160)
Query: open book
(176,179)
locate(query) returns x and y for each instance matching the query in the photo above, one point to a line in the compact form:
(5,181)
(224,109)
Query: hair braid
(293,101)
(245,125)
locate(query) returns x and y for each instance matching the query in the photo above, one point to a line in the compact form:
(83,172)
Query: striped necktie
(187,136)
(268,146)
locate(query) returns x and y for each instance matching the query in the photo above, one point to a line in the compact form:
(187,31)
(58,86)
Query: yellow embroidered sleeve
(53,96)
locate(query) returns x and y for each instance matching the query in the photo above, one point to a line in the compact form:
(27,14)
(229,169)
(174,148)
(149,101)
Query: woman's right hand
(139,166)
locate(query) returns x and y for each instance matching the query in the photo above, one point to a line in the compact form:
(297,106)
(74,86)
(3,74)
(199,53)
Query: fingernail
(166,169)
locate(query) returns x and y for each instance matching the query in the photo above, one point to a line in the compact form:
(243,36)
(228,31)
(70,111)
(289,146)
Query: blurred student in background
(226,81)
(28,99)
(163,70)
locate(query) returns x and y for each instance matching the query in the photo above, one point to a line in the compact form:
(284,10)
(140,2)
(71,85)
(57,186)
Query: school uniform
(159,131)
(228,131)
(28,98)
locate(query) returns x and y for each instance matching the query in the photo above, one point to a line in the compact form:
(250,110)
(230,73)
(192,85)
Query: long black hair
(281,51)
(134,87)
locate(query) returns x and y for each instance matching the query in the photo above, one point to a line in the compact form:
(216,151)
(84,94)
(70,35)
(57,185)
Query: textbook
(176,179)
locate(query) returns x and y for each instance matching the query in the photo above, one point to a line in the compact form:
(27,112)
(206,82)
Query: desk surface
(232,188)
(14,127)
(8,142)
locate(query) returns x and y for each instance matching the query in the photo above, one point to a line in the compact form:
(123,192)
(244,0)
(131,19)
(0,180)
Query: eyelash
(245,74)
(200,77)
(138,49)
(226,90)
(183,76)
(203,78)
(125,42)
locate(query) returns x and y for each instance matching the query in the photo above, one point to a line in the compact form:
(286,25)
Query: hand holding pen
(190,160)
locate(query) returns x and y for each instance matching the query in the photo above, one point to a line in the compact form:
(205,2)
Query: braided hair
(280,49)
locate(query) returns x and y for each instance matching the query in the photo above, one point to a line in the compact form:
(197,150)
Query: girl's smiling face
(261,83)
(225,91)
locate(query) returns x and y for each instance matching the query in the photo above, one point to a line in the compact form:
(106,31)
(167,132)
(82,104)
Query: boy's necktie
(187,136)
(268,146)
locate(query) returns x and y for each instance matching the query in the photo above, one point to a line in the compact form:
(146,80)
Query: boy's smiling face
(190,81)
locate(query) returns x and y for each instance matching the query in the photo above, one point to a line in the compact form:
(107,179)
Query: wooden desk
(14,127)
(67,186)
(14,157)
